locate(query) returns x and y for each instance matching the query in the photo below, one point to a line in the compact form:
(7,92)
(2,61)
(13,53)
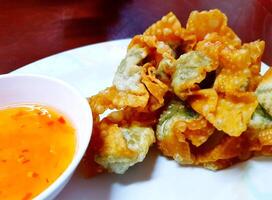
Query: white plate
(90,69)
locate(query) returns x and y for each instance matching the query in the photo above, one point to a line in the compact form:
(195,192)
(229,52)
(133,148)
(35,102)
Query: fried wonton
(240,68)
(230,81)
(168,29)
(128,74)
(155,87)
(212,49)
(161,55)
(219,109)
(214,21)
(191,68)
(127,89)
(122,147)
(177,125)
(196,86)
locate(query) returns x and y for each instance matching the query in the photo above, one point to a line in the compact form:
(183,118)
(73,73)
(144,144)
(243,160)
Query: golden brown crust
(204,124)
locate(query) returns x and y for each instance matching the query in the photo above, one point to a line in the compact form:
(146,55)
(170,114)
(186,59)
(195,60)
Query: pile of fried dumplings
(194,92)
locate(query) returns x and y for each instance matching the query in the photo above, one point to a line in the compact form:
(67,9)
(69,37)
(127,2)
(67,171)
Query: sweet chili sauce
(37,143)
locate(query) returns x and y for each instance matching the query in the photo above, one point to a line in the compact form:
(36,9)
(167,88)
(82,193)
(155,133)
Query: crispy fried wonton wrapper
(122,139)
(135,85)
(227,148)
(217,41)
(230,81)
(261,141)
(221,151)
(119,140)
(256,50)
(177,124)
(211,46)
(202,23)
(220,109)
(240,68)
(264,136)
(235,73)
(206,66)
(157,50)
(168,29)
(128,74)
(198,131)
(161,55)
(133,116)
(123,147)
(191,68)
(112,98)
(155,87)
(127,89)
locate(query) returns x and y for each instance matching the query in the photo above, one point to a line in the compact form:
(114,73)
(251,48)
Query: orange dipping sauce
(36,146)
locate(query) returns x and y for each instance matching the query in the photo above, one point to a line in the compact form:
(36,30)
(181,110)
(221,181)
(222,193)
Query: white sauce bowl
(35,89)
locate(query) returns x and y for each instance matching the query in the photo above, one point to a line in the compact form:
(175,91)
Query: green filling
(176,111)
(188,69)
(260,119)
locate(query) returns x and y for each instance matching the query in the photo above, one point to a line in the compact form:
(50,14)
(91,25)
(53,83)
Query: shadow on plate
(105,186)
(140,172)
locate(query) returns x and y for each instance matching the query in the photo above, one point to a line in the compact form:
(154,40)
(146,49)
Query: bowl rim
(81,148)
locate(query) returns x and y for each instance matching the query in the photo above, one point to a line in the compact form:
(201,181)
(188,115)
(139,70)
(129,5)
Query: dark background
(31,30)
